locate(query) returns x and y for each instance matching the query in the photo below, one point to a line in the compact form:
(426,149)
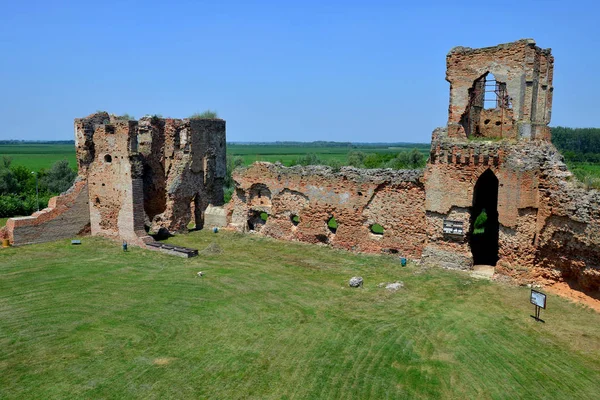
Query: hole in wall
(487,121)
(498,123)
(264,216)
(295,219)
(107,158)
(97,200)
(322,238)
(359,193)
(332,225)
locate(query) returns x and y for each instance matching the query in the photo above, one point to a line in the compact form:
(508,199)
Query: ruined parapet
(300,202)
(503,91)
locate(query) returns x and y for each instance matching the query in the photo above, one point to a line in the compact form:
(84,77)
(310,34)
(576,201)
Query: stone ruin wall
(155,173)
(356,199)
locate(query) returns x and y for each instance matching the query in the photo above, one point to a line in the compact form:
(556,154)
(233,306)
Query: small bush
(208,114)
(125,117)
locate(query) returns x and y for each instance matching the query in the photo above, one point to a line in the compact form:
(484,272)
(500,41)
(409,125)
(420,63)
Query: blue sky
(306,70)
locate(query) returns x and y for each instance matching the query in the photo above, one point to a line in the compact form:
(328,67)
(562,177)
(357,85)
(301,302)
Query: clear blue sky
(275,70)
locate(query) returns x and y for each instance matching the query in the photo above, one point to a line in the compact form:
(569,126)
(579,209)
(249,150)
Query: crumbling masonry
(494,158)
(134,176)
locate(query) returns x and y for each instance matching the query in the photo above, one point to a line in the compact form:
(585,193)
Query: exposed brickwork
(356,199)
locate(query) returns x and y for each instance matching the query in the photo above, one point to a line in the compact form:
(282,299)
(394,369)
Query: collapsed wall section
(361,210)
(66,216)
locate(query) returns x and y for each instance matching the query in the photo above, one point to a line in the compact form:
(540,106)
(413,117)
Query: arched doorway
(484,227)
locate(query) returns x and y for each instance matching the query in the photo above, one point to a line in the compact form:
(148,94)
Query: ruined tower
(500,92)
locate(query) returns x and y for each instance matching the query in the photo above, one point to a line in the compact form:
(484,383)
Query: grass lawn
(3,221)
(276,320)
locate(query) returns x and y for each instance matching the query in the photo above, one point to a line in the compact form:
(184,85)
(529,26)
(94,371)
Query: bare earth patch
(563,289)
(162,361)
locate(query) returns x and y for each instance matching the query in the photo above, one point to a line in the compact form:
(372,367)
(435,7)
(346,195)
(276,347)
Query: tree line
(578,144)
(18,186)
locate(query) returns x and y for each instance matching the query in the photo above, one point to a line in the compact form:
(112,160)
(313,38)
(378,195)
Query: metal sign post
(538,299)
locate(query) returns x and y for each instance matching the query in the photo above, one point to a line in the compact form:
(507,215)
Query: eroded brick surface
(300,201)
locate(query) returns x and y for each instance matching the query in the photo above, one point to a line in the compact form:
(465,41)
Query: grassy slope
(276,320)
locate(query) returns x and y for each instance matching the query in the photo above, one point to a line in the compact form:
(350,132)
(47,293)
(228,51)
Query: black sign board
(538,299)
(453,227)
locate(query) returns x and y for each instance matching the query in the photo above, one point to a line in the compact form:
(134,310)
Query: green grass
(3,222)
(276,320)
(587,173)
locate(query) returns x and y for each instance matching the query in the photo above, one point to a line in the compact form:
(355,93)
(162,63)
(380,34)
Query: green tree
(60,177)
(356,159)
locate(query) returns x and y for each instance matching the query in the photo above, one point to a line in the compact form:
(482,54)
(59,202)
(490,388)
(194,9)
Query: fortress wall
(356,198)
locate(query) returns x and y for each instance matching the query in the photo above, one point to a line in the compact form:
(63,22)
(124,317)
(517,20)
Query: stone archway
(484,226)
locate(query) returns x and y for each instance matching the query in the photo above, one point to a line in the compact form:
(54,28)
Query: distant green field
(38,156)
(288,154)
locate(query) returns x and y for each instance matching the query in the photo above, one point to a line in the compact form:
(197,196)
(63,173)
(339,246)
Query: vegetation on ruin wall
(18,186)
(276,320)
(581,149)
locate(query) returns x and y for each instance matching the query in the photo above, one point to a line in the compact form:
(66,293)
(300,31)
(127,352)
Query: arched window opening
(295,219)
(332,225)
(484,225)
(108,158)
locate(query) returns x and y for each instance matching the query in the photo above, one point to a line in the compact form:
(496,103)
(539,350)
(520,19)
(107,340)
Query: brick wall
(357,199)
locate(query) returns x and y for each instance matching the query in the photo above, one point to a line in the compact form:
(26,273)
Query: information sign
(453,227)
(538,299)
